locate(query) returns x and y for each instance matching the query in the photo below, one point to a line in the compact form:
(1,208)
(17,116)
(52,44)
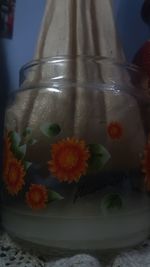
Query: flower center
(114,130)
(68,159)
(36,197)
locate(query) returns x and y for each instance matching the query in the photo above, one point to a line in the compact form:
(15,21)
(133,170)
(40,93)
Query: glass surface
(76,142)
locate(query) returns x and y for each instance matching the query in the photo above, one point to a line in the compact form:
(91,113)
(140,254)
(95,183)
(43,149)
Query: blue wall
(133,31)
(20,49)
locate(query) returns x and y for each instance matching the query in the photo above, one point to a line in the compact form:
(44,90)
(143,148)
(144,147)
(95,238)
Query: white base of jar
(81,226)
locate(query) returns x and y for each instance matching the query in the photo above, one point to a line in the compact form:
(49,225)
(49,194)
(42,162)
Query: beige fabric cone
(79,27)
(83,27)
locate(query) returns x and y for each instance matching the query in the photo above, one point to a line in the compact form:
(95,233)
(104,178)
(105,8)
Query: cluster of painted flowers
(13,169)
(70,159)
(14,172)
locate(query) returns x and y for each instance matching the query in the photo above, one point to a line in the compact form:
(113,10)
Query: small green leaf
(95,163)
(54,196)
(23,149)
(27,164)
(19,151)
(105,155)
(95,149)
(99,156)
(15,139)
(18,154)
(27,132)
(112,201)
(50,130)
(32,141)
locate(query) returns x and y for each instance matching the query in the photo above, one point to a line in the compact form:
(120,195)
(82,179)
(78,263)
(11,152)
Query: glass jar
(76,172)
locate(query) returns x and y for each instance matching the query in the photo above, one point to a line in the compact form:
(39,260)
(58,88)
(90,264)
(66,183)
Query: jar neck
(79,69)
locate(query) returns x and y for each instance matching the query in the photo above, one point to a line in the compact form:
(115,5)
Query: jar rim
(138,76)
(96,59)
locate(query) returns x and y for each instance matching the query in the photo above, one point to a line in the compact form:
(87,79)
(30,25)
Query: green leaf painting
(32,141)
(20,152)
(112,201)
(27,132)
(15,139)
(50,130)
(99,157)
(27,165)
(52,195)
(22,149)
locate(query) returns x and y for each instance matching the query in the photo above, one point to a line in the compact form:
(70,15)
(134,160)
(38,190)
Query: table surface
(12,255)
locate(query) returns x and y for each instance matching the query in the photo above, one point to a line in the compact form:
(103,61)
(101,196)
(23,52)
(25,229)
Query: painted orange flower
(14,178)
(37,197)
(115,130)
(146,166)
(7,154)
(69,160)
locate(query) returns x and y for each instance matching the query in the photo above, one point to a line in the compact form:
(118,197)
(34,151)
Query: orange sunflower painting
(69,160)
(7,154)
(115,130)
(146,166)
(14,178)
(13,169)
(37,197)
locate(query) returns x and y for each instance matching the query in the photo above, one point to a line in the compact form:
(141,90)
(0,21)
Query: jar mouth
(101,73)
(86,71)
(81,69)
(84,58)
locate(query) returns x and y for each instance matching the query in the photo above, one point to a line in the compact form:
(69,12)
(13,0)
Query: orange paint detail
(115,130)
(14,177)
(37,197)
(69,160)
(7,155)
